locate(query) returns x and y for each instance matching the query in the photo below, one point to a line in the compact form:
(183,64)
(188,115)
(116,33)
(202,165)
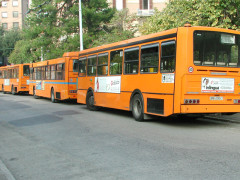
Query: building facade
(140,7)
(13,13)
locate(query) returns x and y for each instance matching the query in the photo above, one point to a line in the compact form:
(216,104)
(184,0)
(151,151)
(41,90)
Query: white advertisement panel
(108,84)
(6,82)
(168,78)
(219,85)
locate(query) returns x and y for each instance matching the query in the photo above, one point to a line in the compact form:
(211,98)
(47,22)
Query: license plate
(216,98)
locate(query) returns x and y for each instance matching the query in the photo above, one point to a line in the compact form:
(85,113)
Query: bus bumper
(210,108)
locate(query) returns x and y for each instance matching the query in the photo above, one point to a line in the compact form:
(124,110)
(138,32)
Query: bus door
(167,70)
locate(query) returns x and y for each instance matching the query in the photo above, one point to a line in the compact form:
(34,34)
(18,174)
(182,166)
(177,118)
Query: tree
(215,13)
(121,27)
(52,28)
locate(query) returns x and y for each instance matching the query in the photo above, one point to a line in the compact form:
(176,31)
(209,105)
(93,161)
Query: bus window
(53,71)
(82,67)
(131,60)
(38,73)
(92,61)
(216,49)
(116,62)
(60,71)
(0,74)
(75,65)
(48,72)
(102,68)
(168,51)
(31,73)
(149,58)
(26,70)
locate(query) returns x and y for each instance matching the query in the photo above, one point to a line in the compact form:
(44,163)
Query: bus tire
(53,96)
(34,94)
(3,90)
(137,108)
(90,102)
(13,90)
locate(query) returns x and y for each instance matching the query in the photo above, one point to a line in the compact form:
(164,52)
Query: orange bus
(56,78)
(14,78)
(186,70)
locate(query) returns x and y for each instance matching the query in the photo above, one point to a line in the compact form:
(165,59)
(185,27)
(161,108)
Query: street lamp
(80,25)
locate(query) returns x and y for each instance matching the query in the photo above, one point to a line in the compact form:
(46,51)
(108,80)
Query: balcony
(145,12)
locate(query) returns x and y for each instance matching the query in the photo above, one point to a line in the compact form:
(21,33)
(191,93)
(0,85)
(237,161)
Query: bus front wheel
(137,108)
(90,101)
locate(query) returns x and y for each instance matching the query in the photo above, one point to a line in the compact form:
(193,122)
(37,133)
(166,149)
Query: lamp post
(80,25)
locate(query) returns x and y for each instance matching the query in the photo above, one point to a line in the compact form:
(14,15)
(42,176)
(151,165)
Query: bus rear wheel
(3,90)
(13,91)
(90,102)
(137,108)
(34,93)
(53,96)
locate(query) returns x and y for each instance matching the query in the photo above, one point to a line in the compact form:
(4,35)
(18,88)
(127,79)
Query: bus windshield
(216,49)
(26,70)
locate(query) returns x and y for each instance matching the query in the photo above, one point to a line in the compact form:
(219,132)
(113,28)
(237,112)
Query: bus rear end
(23,85)
(211,83)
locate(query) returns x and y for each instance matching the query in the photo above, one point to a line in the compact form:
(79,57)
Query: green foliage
(214,13)
(8,40)
(121,27)
(52,28)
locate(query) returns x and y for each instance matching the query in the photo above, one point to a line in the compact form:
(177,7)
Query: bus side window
(150,58)
(75,65)
(131,60)
(168,52)
(116,62)
(0,74)
(102,68)
(92,62)
(53,72)
(82,67)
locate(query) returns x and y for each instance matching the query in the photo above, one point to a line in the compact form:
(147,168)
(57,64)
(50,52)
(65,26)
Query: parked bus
(14,78)
(179,71)
(56,78)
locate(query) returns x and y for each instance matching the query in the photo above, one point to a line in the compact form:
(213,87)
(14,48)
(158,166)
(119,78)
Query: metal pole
(80,25)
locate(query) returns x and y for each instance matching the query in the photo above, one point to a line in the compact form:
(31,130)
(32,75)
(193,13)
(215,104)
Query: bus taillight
(236,101)
(191,101)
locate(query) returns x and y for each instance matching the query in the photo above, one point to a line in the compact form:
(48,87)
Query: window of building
(116,62)
(168,52)
(102,68)
(15,14)
(15,25)
(92,62)
(5,25)
(146,4)
(15,3)
(149,58)
(4,3)
(4,15)
(119,4)
(131,60)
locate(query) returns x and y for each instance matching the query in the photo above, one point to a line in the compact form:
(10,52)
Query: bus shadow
(187,121)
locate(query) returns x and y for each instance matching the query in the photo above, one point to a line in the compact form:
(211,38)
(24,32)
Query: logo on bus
(190,69)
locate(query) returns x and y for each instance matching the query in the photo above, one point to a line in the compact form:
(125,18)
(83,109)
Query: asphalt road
(40,140)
